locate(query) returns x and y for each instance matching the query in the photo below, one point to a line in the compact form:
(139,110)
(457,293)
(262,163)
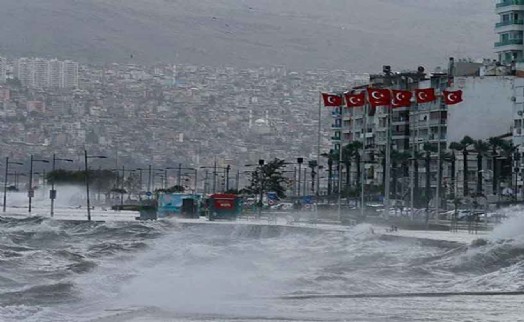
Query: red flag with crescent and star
(401,98)
(452,97)
(379,97)
(425,95)
(355,100)
(331,99)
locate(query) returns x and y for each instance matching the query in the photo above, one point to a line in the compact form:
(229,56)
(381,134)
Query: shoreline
(448,238)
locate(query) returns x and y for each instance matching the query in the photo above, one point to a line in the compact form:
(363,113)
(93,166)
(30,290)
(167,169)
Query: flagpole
(340,172)
(387,177)
(318,152)
(363,166)
(437,195)
(412,175)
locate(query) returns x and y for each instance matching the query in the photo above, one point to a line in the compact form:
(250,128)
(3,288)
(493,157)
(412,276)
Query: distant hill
(356,35)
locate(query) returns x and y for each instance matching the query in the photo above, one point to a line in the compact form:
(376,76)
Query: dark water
(165,271)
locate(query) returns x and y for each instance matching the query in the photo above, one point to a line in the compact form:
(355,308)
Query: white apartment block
(3,70)
(25,72)
(69,74)
(43,73)
(510,30)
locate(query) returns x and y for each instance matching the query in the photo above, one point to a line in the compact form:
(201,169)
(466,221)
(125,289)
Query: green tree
(332,156)
(428,149)
(351,152)
(481,148)
(463,146)
(269,177)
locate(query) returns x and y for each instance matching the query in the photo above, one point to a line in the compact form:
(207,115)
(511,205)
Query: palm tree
(428,149)
(451,158)
(350,152)
(401,158)
(508,152)
(463,146)
(331,156)
(496,143)
(416,156)
(481,148)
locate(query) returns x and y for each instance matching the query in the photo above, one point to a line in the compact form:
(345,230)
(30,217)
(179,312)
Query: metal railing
(508,42)
(509,22)
(506,3)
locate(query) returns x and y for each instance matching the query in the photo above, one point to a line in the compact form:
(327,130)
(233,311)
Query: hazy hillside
(360,35)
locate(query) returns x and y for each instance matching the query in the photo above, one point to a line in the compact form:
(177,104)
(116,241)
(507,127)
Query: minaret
(510,30)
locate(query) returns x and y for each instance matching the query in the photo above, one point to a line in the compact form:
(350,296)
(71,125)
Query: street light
(299,161)
(179,174)
(226,176)
(52,193)
(87,179)
(7,162)
(31,192)
(122,189)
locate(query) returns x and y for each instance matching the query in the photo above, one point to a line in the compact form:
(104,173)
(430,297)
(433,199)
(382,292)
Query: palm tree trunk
(359,170)
(428,177)
(395,179)
(330,176)
(465,166)
(348,171)
(453,176)
(479,174)
(494,181)
(415,186)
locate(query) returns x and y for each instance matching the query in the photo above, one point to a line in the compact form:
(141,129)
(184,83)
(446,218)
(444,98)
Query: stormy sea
(53,270)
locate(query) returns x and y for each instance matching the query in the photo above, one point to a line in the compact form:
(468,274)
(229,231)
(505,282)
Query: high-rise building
(69,74)
(510,29)
(55,73)
(24,71)
(41,73)
(3,69)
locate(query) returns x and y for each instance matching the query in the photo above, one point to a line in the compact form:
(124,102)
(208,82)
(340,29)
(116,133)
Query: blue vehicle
(178,205)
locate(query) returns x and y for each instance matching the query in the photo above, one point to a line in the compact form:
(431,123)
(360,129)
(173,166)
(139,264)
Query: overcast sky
(356,35)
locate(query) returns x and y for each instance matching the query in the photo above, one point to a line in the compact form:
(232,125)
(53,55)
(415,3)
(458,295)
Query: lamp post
(52,193)
(179,174)
(140,177)
(7,162)
(215,167)
(31,192)
(87,179)
(299,161)
(262,182)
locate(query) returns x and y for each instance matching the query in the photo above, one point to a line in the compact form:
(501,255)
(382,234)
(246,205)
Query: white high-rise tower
(3,69)
(510,29)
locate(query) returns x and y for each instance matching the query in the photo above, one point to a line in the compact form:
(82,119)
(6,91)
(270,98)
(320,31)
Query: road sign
(149,193)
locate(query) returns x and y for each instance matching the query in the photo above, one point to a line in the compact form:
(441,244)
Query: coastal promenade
(285,221)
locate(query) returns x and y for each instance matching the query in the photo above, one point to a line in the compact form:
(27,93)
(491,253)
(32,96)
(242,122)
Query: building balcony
(509,23)
(508,3)
(510,44)
(336,126)
(336,138)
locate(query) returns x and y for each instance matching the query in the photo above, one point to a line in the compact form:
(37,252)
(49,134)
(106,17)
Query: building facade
(44,73)
(3,70)
(510,28)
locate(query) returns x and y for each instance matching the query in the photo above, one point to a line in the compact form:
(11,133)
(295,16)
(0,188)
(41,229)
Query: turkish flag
(452,97)
(401,99)
(355,100)
(379,97)
(425,95)
(331,99)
